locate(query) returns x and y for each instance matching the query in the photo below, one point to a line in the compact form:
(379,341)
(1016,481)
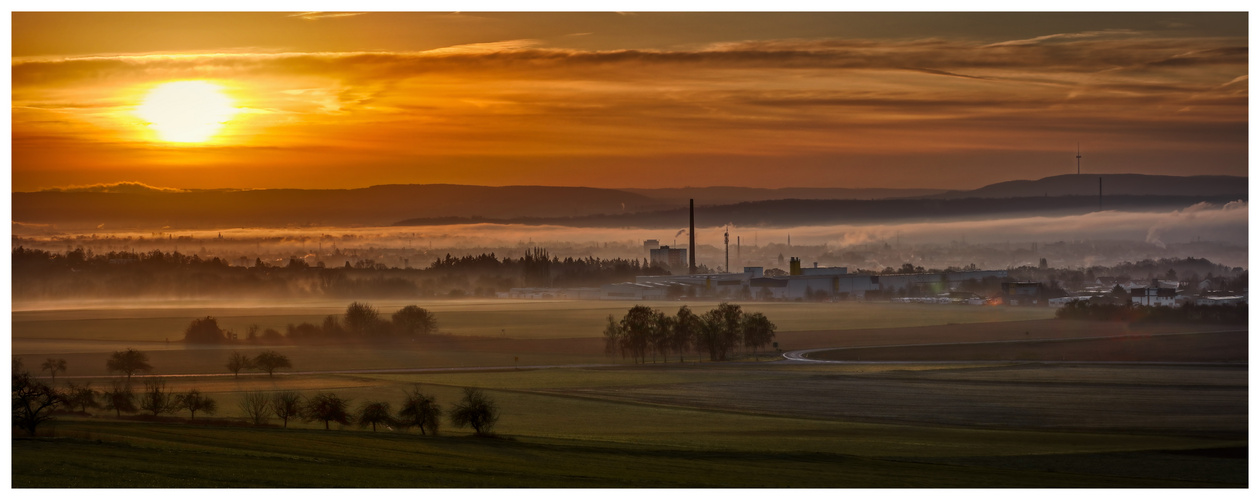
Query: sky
(346,100)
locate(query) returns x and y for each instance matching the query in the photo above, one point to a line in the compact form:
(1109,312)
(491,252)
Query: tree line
(360,323)
(1233,314)
(35,402)
(644,332)
(40,274)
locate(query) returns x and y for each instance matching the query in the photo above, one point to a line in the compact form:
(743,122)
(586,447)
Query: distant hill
(1112,184)
(725,195)
(373,206)
(133,205)
(793,213)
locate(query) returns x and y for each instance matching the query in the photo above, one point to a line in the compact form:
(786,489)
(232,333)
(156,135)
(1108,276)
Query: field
(586,420)
(485,318)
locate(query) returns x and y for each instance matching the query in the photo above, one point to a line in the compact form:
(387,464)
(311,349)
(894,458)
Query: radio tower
(1078,158)
(726,240)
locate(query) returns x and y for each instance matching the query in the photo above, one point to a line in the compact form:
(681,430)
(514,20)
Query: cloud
(1058,37)
(315,16)
(117,187)
(524,58)
(1197,216)
(484,48)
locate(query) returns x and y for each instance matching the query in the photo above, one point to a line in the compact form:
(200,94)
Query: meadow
(587,420)
(517,319)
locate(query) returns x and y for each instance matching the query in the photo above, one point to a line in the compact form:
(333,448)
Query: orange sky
(642,100)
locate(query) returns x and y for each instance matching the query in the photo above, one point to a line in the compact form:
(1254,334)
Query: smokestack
(692,234)
(726,240)
(1100,194)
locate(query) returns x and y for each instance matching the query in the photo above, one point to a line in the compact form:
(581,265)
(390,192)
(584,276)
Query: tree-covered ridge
(44,275)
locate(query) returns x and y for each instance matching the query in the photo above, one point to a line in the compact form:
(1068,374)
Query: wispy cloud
(1058,37)
(315,16)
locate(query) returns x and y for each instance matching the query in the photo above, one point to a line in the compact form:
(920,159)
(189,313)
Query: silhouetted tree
(256,406)
(613,342)
(638,327)
(326,407)
(661,335)
(270,361)
(414,320)
(128,362)
(421,411)
(286,405)
(361,319)
(81,397)
(204,331)
(758,331)
(33,401)
(475,410)
(722,330)
(237,362)
(374,412)
(119,398)
(686,328)
(194,401)
(156,399)
(52,366)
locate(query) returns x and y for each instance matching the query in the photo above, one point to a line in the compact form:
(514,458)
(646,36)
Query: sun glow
(186,111)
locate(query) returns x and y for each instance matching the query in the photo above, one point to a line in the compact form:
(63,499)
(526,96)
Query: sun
(186,111)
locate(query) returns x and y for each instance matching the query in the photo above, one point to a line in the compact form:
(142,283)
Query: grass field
(610,427)
(665,424)
(509,319)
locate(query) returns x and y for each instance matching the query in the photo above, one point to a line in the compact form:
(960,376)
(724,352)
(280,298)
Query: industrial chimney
(692,234)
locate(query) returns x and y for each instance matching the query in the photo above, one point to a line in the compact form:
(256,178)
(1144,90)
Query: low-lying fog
(1216,232)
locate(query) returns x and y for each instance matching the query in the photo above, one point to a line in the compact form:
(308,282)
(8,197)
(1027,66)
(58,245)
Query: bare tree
(128,362)
(286,405)
(119,398)
(33,401)
(53,366)
(326,407)
(156,399)
(256,405)
(421,411)
(613,338)
(237,362)
(270,361)
(475,410)
(373,413)
(194,401)
(82,397)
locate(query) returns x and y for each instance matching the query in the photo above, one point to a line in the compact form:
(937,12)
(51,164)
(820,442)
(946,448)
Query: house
(1153,296)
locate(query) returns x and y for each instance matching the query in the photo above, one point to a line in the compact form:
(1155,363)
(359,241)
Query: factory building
(815,283)
(669,258)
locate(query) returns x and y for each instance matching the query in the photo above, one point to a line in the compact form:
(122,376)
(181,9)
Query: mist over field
(1217,232)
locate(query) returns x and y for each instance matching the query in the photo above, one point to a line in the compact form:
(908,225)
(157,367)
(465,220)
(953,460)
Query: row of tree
(131,361)
(1234,314)
(644,332)
(35,402)
(361,322)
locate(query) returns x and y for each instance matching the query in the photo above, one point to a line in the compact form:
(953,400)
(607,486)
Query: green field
(595,421)
(506,318)
(602,427)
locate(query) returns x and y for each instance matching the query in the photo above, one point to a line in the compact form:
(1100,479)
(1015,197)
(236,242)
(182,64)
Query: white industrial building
(804,283)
